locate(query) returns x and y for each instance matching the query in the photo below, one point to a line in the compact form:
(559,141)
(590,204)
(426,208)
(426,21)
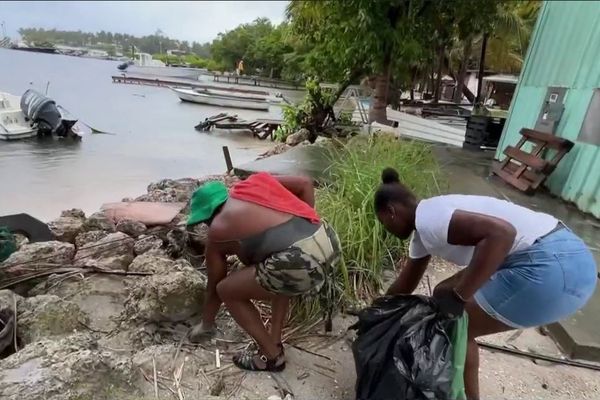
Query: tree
(360,37)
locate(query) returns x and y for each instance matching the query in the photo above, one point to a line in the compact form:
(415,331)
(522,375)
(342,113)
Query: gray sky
(198,21)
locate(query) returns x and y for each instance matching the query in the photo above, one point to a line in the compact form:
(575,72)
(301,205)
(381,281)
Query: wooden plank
(528,175)
(526,158)
(520,184)
(552,141)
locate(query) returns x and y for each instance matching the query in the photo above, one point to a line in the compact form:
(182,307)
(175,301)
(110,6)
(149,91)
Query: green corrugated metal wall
(564,51)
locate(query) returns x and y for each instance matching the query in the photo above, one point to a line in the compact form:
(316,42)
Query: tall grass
(347,204)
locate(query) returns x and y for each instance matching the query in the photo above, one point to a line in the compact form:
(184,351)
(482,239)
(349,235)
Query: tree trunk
(462,73)
(465,90)
(438,81)
(481,68)
(377,112)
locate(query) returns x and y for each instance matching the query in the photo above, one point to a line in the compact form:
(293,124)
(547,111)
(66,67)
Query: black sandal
(246,359)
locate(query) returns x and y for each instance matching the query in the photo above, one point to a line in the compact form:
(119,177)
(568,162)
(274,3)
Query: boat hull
(220,101)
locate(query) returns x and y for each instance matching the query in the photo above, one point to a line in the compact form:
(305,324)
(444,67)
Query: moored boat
(144,64)
(241,95)
(13,124)
(220,100)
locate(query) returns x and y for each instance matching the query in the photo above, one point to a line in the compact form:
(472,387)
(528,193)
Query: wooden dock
(256,81)
(167,82)
(260,128)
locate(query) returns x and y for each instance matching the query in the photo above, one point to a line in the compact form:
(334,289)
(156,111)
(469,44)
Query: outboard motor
(42,110)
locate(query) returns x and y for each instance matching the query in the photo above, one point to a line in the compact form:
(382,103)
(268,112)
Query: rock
(131,228)
(21,240)
(170,190)
(198,235)
(146,243)
(173,297)
(176,241)
(43,316)
(37,257)
(100,296)
(72,368)
(228,180)
(88,237)
(158,264)
(73,213)
(99,222)
(68,225)
(6,299)
(114,251)
(298,137)
(277,149)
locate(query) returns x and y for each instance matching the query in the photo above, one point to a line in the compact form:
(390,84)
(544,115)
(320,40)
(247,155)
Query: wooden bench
(527,171)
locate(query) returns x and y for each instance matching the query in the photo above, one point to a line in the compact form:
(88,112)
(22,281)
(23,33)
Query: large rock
(296,138)
(43,316)
(99,222)
(146,243)
(131,228)
(72,368)
(99,296)
(157,264)
(36,257)
(68,225)
(89,237)
(170,190)
(114,251)
(174,296)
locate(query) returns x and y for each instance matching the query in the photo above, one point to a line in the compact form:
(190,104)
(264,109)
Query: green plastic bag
(459,354)
(8,243)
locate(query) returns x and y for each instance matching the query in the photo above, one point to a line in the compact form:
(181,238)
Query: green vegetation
(347,204)
(309,114)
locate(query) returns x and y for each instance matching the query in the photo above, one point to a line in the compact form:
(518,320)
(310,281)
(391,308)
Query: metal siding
(564,51)
(567,46)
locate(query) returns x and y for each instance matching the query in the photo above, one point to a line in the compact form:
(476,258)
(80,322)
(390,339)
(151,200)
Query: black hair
(392,190)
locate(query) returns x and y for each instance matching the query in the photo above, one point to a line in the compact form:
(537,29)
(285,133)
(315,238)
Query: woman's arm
(301,186)
(409,277)
(492,237)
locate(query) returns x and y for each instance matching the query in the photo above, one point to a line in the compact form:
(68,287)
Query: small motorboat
(221,100)
(32,115)
(242,95)
(13,123)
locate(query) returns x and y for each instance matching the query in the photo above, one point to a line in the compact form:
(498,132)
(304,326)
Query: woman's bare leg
(480,324)
(279,309)
(236,291)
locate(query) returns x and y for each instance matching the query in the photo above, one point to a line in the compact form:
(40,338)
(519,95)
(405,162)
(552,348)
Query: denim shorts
(542,284)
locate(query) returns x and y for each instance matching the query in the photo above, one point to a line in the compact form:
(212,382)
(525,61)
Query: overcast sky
(198,21)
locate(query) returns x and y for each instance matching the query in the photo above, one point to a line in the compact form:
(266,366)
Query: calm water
(154,138)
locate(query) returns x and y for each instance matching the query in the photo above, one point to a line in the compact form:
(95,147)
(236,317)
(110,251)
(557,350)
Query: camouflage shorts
(302,268)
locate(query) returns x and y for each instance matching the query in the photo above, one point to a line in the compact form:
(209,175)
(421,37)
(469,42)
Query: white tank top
(433,219)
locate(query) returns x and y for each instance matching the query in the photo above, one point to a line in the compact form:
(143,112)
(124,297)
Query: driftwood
(17,274)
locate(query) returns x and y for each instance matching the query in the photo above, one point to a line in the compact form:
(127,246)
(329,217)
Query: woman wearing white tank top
(523,268)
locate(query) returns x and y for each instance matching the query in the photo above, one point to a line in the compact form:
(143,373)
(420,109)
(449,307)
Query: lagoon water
(154,138)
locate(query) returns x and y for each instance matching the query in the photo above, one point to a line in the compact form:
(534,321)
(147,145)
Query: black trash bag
(402,350)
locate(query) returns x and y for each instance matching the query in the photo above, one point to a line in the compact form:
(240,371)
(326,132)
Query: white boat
(144,64)
(13,124)
(241,95)
(220,100)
